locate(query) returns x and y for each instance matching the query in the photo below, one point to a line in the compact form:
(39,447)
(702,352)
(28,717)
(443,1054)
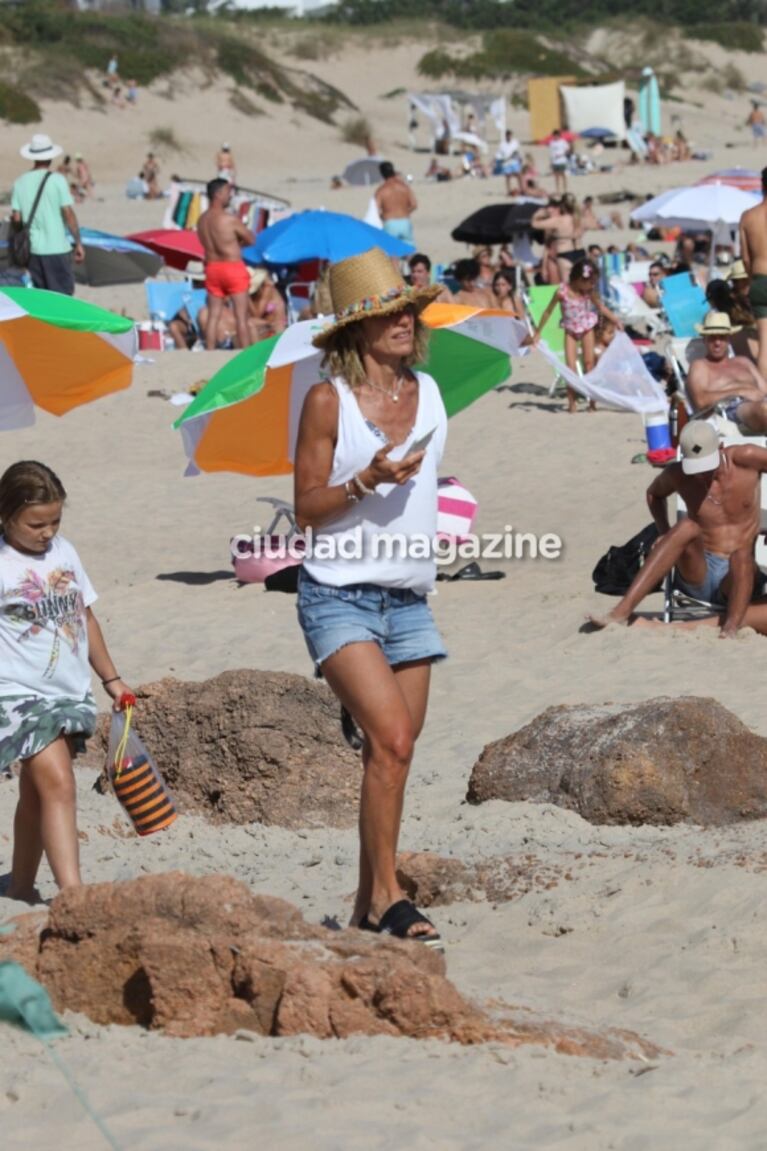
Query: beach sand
(659,930)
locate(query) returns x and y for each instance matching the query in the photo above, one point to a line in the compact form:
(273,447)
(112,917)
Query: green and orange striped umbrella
(57,352)
(246,417)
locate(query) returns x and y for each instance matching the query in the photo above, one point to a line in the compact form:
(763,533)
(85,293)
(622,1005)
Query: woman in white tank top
(369,445)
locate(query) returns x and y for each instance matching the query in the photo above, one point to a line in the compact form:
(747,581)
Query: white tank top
(387,538)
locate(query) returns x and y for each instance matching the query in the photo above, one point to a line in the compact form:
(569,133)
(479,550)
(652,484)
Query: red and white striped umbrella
(744,178)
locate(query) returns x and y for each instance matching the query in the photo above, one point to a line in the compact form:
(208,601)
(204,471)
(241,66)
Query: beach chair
(633,310)
(684,303)
(298,296)
(536,299)
(166,298)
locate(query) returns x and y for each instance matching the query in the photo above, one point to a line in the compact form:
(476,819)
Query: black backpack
(617,569)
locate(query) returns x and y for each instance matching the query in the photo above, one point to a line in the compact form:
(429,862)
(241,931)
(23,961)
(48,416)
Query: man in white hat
(712,548)
(225,165)
(732,381)
(50,265)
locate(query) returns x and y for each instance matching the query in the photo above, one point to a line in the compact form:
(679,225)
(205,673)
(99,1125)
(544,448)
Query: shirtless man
(712,548)
(753,249)
(396,203)
(226,277)
(733,381)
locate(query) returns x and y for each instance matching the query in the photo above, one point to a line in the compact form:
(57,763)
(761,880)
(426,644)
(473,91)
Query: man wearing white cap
(735,382)
(225,166)
(50,264)
(712,548)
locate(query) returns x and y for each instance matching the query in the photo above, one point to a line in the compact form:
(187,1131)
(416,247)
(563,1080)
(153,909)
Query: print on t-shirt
(47,603)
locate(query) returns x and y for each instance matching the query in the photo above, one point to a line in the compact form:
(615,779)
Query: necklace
(392,393)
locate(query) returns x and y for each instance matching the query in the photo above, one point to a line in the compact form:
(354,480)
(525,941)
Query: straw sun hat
(738,271)
(368,285)
(717,324)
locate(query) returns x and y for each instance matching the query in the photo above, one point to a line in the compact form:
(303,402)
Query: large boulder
(662,761)
(204,956)
(250,746)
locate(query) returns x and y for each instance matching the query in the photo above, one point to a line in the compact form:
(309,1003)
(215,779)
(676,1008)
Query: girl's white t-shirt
(43,632)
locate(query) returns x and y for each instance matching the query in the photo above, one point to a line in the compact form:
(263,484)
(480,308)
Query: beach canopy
(114,260)
(57,352)
(318,235)
(495,223)
(177,246)
(246,417)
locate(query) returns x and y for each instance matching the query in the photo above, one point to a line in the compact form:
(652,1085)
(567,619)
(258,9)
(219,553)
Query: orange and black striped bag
(136,782)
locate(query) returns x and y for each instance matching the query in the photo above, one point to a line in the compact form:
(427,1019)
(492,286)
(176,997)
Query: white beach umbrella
(715,207)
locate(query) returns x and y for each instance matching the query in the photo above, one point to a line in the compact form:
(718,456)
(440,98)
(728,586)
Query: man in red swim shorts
(222,236)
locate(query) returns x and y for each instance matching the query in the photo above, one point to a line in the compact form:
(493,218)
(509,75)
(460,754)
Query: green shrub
(505,52)
(356,131)
(16,107)
(736,37)
(242,103)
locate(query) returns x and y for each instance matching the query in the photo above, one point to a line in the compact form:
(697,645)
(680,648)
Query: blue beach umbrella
(597,133)
(316,235)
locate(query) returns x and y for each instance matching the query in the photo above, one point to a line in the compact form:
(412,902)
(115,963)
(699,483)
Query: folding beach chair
(632,308)
(684,303)
(166,298)
(536,300)
(298,296)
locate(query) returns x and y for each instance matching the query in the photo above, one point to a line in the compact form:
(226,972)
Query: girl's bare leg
(588,344)
(46,820)
(571,359)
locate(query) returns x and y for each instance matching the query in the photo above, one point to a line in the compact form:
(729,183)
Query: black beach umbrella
(495,224)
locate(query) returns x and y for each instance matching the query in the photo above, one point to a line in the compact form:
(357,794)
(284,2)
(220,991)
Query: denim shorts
(398,620)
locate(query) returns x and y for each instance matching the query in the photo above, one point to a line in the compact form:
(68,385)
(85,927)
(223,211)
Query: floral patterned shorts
(28,724)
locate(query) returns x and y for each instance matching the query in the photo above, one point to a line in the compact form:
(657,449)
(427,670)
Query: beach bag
(138,785)
(19,242)
(619,566)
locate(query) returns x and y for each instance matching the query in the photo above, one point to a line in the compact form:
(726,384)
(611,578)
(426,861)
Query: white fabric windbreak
(600,106)
(620,379)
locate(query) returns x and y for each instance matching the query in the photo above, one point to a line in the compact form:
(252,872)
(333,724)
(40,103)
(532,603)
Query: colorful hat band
(373,303)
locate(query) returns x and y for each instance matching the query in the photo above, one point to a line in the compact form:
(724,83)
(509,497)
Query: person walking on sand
(45,198)
(756,122)
(225,165)
(150,174)
(222,236)
(396,203)
(49,636)
(581,311)
(559,154)
(712,547)
(753,250)
(369,445)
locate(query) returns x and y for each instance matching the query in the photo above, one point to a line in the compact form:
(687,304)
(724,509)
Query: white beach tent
(595,106)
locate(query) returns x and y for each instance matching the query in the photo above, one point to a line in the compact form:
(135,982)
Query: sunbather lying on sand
(712,548)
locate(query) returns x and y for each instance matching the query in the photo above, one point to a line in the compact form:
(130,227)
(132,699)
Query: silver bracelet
(351,496)
(361,487)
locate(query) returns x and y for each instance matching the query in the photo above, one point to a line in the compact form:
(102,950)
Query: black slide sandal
(399,919)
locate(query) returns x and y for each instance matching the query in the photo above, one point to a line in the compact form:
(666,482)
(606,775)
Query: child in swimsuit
(581,310)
